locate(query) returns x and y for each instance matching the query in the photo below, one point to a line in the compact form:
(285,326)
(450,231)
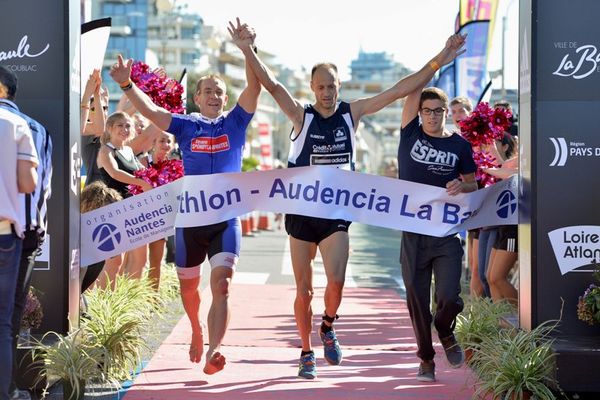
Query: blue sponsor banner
(446,80)
(471,67)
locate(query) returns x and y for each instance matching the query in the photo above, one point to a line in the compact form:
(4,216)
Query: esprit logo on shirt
(210,145)
(427,154)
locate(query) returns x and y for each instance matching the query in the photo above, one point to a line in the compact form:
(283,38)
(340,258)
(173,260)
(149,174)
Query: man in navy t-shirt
(431,155)
(211,142)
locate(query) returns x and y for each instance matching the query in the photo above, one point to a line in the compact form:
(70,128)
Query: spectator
(18,163)
(504,251)
(35,208)
(94,111)
(460,108)
(117,164)
(161,151)
(93,196)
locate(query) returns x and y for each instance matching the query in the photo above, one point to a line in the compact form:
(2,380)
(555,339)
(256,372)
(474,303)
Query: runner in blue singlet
(324,135)
(211,142)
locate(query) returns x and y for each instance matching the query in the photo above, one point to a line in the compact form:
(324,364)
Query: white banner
(316,191)
(576,246)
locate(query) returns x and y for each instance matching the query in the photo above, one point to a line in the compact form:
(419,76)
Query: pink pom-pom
(158,174)
(485,125)
(164,92)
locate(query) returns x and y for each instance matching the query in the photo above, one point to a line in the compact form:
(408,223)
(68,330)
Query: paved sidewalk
(262,347)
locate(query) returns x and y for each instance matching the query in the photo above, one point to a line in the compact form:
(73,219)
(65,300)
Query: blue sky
(309,31)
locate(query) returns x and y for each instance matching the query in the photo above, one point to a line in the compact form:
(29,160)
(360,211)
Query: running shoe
(454,353)
(426,371)
(331,346)
(307,368)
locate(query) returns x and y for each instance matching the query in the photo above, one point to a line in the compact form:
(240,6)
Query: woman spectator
(93,196)
(117,163)
(94,106)
(160,152)
(504,250)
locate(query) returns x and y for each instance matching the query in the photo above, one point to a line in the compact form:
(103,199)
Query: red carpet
(262,350)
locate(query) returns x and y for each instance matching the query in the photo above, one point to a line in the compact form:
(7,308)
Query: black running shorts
(313,229)
(507,238)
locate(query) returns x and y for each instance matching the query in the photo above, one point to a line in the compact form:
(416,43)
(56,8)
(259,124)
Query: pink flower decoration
(483,127)
(158,174)
(164,92)
(485,124)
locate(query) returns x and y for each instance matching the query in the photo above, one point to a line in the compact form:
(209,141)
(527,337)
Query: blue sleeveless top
(324,141)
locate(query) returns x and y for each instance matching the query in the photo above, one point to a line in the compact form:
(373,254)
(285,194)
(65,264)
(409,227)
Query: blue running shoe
(333,353)
(308,366)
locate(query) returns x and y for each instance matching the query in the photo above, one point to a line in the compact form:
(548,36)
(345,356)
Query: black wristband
(127,87)
(255,49)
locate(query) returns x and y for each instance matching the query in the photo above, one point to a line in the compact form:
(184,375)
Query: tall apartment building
(128,35)
(372,73)
(174,39)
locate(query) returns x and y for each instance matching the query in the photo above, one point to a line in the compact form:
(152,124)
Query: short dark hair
(9,80)
(509,140)
(504,104)
(433,93)
(463,101)
(207,77)
(325,65)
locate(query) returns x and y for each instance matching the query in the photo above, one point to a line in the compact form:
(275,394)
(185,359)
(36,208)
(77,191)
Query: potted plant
(32,315)
(70,359)
(516,364)
(588,307)
(480,319)
(27,369)
(116,319)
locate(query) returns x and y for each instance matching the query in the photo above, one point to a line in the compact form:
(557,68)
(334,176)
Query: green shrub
(116,320)
(514,362)
(479,320)
(71,359)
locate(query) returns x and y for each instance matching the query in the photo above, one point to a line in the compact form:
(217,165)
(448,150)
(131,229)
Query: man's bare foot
(196,347)
(214,363)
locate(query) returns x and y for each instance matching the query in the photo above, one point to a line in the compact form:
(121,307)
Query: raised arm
(411,83)
(290,106)
(243,35)
(86,97)
(145,140)
(121,73)
(107,161)
(93,88)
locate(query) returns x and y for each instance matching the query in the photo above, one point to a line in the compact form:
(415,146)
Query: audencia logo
(507,204)
(106,237)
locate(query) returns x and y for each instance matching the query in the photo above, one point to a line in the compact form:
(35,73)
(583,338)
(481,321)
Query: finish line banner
(316,191)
